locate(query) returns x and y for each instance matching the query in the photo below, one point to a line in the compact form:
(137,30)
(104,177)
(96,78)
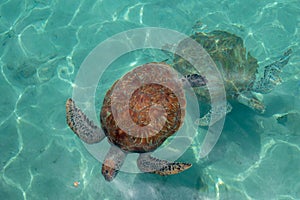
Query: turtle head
(112,163)
(109,170)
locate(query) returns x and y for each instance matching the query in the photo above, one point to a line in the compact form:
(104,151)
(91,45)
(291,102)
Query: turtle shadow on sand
(239,69)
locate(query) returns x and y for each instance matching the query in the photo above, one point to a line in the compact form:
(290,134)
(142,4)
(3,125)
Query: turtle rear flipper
(148,164)
(248,99)
(84,128)
(219,113)
(271,76)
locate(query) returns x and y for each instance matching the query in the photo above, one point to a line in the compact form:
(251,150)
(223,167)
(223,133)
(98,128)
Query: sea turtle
(239,69)
(151,84)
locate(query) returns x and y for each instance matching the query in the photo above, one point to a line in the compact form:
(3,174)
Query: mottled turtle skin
(156,87)
(238,68)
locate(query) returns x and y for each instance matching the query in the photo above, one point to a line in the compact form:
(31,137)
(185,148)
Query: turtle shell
(237,67)
(153,110)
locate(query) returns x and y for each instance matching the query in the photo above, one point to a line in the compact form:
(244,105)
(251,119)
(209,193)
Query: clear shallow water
(43,44)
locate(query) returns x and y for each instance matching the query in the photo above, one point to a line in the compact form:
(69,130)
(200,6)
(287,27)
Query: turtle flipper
(81,125)
(195,80)
(249,100)
(147,163)
(113,161)
(205,120)
(271,76)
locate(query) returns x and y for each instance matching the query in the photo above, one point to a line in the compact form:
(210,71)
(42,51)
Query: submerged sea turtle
(238,69)
(166,90)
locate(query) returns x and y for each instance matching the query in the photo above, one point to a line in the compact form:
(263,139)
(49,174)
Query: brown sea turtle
(239,69)
(159,84)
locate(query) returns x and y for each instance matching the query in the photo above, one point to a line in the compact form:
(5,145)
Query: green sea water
(42,46)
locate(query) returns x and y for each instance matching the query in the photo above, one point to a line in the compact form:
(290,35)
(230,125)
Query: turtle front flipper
(271,76)
(81,125)
(195,80)
(113,161)
(147,163)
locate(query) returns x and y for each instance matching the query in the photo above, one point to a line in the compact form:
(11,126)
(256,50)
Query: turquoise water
(43,44)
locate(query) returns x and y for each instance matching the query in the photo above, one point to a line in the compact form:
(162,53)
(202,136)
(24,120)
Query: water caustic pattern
(43,43)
